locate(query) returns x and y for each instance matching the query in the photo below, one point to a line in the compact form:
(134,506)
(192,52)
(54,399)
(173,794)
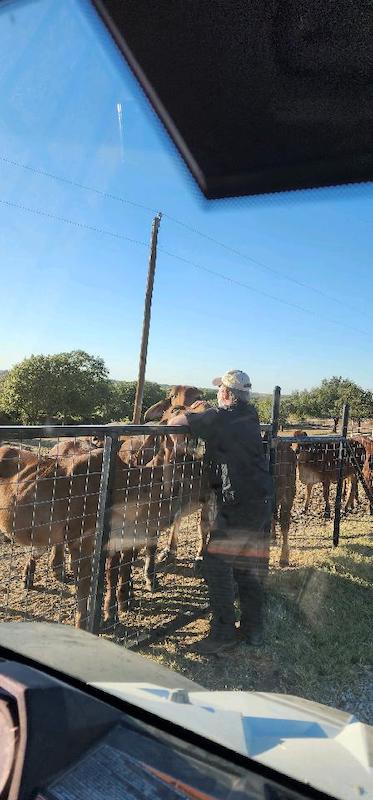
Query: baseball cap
(234,379)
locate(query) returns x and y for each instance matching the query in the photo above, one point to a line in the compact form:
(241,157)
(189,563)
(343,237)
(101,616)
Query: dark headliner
(258,96)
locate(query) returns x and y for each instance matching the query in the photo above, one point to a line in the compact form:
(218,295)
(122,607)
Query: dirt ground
(318,641)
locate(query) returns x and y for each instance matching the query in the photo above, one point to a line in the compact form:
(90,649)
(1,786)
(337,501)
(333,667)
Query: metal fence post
(111,447)
(272,440)
(341,458)
(274,429)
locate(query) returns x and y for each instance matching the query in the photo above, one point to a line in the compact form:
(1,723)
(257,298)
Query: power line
(256,262)
(247,286)
(70,182)
(260,264)
(222,276)
(39,212)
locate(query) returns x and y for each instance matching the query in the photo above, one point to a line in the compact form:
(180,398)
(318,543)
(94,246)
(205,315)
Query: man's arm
(178,419)
(201,425)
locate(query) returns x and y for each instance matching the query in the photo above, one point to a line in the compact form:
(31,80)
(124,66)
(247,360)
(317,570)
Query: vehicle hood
(274,729)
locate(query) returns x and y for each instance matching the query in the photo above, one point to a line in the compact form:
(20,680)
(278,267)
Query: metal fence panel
(61,514)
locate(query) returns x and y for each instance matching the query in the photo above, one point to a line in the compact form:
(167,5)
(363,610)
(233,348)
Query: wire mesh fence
(102,525)
(95,527)
(309,515)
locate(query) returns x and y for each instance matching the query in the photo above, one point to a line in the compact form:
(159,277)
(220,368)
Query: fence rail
(114,521)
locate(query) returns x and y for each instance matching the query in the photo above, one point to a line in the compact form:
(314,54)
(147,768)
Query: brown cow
(179,399)
(69,448)
(285,491)
(140,449)
(366,461)
(156,450)
(43,503)
(367,443)
(65,452)
(319,463)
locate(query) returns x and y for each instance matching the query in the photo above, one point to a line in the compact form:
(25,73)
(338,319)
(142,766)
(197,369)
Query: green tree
(328,399)
(303,404)
(210,396)
(123,398)
(67,387)
(263,405)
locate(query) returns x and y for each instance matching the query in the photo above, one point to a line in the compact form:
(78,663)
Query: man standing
(238,548)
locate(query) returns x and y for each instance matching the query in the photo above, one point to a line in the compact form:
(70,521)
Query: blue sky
(305,257)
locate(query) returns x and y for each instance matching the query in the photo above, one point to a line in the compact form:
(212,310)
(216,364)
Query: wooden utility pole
(146,322)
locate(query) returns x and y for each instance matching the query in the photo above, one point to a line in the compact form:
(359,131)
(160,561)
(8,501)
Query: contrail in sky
(120,123)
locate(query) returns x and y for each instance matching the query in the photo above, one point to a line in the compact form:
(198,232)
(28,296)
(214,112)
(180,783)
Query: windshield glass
(242,566)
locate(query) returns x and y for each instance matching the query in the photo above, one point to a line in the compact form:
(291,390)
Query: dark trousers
(238,554)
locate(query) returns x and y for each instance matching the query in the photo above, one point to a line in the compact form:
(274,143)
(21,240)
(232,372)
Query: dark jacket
(235,451)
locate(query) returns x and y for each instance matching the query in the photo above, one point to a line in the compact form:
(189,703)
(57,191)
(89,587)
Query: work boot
(222,637)
(251,636)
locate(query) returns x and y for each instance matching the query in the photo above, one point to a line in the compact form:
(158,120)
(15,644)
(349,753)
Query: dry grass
(318,641)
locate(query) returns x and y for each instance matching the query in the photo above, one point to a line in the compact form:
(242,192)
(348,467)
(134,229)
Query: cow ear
(155,413)
(192,395)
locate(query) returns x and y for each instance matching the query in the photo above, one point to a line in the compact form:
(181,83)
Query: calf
(363,447)
(319,463)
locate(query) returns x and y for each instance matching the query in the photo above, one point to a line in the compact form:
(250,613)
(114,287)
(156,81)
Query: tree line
(323,402)
(75,388)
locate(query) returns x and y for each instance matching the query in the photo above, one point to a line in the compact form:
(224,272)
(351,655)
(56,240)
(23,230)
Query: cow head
(301,435)
(179,397)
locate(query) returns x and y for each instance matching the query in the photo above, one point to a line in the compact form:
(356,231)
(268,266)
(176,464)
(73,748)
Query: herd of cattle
(53,500)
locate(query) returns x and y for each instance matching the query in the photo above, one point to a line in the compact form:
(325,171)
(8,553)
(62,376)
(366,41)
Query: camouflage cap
(234,379)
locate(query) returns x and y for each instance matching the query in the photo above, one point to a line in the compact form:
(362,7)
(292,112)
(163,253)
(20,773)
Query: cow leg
(151,582)
(367,473)
(125,583)
(81,562)
(118,585)
(168,554)
(29,573)
(112,567)
(308,497)
(326,493)
(58,562)
(351,495)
